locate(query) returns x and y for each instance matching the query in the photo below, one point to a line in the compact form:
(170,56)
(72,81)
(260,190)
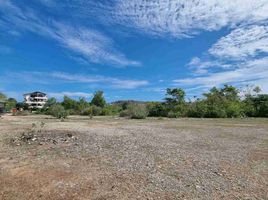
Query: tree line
(225,102)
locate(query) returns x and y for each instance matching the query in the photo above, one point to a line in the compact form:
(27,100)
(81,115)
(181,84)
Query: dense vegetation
(226,102)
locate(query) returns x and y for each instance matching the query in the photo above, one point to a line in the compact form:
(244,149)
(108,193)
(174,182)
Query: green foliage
(156,109)
(10,103)
(234,109)
(22,105)
(256,106)
(87,111)
(135,111)
(197,109)
(110,110)
(175,96)
(97,111)
(57,111)
(69,103)
(217,103)
(222,103)
(98,99)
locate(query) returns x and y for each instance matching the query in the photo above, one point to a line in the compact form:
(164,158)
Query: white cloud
(242,43)
(110,81)
(186,18)
(61,77)
(244,50)
(200,67)
(249,71)
(128,84)
(91,44)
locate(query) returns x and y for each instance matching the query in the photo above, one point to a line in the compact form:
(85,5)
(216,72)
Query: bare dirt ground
(114,158)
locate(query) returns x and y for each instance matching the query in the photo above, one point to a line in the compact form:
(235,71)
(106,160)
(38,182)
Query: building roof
(34,93)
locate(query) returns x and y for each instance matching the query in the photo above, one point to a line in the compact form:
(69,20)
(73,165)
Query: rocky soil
(115,158)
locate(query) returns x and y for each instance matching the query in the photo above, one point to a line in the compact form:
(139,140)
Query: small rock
(70,135)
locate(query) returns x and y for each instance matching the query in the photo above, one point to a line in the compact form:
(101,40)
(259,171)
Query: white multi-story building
(35,100)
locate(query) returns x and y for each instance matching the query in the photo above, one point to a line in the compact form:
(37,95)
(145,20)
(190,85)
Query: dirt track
(112,158)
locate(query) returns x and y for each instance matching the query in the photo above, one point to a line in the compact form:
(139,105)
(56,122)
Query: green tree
(175,102)
(156,109)
(11,103)
(50,102)
(68,103)
(98,99)
(82,105)
(57,111)
(22,105)
(176,96)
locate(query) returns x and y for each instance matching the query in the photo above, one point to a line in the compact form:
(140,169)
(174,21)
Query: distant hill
(121,102)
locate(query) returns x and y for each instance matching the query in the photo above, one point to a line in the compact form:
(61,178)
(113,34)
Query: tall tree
(98,99)
(176,95)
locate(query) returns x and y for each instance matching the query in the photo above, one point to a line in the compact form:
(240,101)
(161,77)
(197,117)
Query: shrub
(215,112)
(110,110)
(72,111)
(135,111)
(173,114)
(197,109)
(58,111)
(156,109)
(233,109)
(124,113)
(96,110)
(87,111)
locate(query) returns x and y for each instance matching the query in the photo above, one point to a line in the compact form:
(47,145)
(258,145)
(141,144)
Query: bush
(197,109)
(215,112)
(58,111)
(96,110)
(110,110)
(124,113)
(156,109)
(233,109)
(73,111)
(173,114)
(87,111)
(135,111)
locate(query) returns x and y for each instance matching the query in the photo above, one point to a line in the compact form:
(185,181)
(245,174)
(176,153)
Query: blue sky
(131,49)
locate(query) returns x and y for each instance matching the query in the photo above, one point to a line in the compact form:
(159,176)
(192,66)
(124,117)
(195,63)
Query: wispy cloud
(240,57)
(47,78)
(200,67)
(242,43)
(110,81)
(248,72)
(186,18)
(91,44)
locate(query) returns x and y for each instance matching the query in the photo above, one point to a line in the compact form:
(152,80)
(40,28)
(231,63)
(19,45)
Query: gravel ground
(115,158)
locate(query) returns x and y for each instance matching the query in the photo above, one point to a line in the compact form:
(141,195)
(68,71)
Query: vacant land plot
(114,158)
